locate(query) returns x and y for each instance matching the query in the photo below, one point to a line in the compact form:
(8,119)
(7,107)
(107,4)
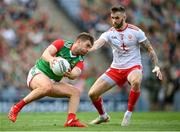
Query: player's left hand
(73,73)
(67,74)
(158,72)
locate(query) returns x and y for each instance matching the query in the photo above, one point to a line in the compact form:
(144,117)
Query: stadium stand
(25,32)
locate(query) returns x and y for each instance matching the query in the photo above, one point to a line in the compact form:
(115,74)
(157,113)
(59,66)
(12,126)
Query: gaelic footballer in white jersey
(125,46)
(125,40)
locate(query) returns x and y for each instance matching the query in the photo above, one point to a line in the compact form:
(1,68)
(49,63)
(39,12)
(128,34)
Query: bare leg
(99,87)
(41,87)
(134,78)
(66,90)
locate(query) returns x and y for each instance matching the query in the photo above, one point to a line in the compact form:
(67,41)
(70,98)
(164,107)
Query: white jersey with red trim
(125,46)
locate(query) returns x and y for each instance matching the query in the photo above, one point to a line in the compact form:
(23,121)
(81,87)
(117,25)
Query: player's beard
(80,52)
(118,25)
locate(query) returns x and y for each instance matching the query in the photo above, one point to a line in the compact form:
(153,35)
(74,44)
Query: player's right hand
(51,62)
(158,72)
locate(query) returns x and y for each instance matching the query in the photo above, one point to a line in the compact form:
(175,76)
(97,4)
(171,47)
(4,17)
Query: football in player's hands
(59,66)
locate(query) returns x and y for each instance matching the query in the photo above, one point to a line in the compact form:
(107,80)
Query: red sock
(99,105)
(71,116)
(21,104)
(133,97)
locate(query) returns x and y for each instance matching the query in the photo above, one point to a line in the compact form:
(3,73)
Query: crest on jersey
(130,37)
(124,47)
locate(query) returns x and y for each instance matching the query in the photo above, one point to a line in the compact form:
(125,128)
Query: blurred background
(27,27)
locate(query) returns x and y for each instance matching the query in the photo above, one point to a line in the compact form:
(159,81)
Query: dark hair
(86,36)
(119,8)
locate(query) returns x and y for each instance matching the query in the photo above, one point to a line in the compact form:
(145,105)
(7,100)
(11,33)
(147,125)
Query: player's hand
(70,74)
(67,74)
(158,72)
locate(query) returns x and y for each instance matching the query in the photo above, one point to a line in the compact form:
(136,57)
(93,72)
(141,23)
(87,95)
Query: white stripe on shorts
(107,79)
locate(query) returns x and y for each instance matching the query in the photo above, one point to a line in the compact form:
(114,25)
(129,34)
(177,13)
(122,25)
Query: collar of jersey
(120,30)
(72,54)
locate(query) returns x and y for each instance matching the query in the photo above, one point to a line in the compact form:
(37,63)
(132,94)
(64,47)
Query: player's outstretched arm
(147,45)
(98,44)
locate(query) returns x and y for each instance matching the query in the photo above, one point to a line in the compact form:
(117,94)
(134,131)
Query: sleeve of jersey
(141,36)
(59,43)
(104,36)
(80,64)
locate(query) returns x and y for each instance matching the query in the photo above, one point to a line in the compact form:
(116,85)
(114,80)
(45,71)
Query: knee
(90,94)
(46,89)
(93,95)
(135,83)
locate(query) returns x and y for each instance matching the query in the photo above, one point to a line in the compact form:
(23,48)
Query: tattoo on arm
(147,45)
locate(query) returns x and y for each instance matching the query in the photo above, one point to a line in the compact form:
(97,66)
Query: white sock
(128,113)
(104,115)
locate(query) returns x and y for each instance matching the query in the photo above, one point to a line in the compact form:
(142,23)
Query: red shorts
(120,75)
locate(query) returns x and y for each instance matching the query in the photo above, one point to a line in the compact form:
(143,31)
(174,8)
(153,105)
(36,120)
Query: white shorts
(32,73)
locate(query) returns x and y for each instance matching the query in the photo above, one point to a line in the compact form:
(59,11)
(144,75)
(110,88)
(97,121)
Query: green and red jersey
(64,51)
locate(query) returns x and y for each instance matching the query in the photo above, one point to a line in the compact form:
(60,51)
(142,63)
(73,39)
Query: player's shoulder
(133,27)
(58,41)
(111,29)
(68,43)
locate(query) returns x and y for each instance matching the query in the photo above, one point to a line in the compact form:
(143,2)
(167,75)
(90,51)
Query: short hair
(119,8)
(86,36)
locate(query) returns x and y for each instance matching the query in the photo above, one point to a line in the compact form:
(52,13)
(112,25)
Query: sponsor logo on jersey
(114,37)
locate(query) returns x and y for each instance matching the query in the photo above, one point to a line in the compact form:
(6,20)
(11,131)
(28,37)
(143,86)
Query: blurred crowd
(25,32)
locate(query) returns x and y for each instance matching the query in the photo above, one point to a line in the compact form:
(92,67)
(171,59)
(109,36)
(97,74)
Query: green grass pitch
(141,121)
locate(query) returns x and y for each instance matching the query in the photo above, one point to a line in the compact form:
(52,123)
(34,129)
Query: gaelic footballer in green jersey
(40,76)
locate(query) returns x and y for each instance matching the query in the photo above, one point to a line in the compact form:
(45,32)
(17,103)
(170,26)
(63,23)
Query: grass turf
(141,121)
